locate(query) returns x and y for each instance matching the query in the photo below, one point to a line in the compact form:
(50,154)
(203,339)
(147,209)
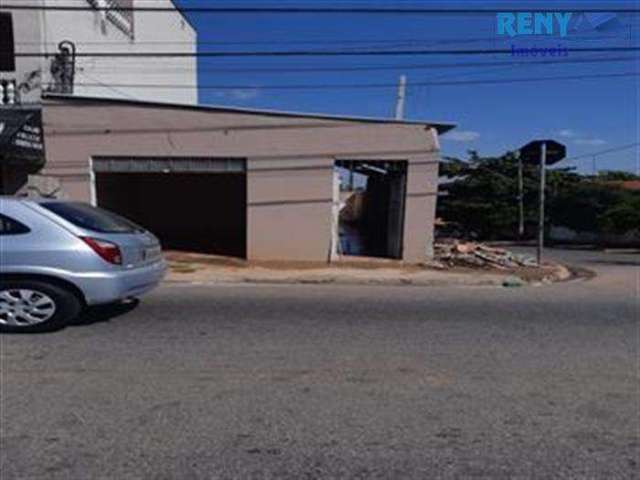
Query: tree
(623,217)
(471,195)
(616,176)
(482,197)
(482,194)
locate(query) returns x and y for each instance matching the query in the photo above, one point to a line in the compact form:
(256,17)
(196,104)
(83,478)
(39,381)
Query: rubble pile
(478,255)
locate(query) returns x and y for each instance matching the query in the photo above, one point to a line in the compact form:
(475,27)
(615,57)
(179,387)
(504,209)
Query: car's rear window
(9,226)
(92,218)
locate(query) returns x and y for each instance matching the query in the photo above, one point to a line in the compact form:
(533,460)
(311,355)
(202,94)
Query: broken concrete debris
(478,255)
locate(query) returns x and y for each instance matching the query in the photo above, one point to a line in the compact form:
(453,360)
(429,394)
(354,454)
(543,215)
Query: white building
(91,30)
(52,36)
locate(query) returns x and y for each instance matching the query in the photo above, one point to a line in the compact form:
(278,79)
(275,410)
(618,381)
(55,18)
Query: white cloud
(568,133)
(579,138)
(594,142)
(462,136)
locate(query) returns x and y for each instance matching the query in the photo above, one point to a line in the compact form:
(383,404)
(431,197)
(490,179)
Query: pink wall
(290,161)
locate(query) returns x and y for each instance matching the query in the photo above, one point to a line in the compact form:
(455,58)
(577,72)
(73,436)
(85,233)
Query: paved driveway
(230,382)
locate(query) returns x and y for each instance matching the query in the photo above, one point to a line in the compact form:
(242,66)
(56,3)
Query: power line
(113,89)
(314,10)
(321,53)
(345,41)
(603,152)
(367,85)
(278,70)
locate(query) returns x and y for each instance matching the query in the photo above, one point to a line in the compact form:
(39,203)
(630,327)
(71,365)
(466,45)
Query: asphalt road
(306,382)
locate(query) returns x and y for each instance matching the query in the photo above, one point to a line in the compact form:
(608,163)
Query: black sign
(532,152)
(21,136)
(7,48)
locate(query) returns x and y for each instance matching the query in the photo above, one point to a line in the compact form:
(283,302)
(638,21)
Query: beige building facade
(255,184)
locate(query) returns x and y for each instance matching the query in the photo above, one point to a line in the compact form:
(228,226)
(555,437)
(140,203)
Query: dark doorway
(196,212)
(7,53)
(372,205)
(12,178)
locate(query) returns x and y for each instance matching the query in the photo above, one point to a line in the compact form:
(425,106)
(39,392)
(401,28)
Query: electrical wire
(320,53)
(603,152)
(369,85)
(278,70)
(313,10)
(346,41)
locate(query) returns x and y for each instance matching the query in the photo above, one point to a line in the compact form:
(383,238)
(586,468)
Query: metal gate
(168,165)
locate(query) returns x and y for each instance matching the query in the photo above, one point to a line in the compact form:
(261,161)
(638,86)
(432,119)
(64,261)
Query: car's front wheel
(35,306)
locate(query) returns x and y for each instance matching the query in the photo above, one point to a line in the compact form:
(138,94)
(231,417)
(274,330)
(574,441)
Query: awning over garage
(21,137)
(168,165)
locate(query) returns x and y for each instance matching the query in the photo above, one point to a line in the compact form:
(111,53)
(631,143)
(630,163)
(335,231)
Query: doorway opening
(371,207)
(194,212)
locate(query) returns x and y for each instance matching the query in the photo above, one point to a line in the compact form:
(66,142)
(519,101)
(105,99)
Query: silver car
(58,257)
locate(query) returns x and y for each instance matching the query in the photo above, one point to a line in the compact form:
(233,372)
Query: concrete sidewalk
(196,268)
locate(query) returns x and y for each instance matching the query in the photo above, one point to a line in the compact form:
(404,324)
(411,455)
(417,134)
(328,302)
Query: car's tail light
(109,251)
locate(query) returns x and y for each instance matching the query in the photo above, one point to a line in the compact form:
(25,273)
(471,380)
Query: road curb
(579,274)
(435,284)
(198,275)
(498,281)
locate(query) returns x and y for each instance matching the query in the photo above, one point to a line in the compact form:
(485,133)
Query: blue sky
(589,115)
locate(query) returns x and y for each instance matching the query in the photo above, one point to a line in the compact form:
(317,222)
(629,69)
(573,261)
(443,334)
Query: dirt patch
(199,268)
(177,258)
(191,260)
(550,272)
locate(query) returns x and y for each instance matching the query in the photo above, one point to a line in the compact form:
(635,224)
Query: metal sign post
(520,198)
(544,152)
(543,187)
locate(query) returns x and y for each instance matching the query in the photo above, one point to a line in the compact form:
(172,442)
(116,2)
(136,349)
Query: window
(7,54)
(118,12)
(9,226)
(92,218)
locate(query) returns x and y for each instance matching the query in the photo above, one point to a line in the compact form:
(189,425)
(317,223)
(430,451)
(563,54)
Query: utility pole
(520,197)
(543,185)
(402,93)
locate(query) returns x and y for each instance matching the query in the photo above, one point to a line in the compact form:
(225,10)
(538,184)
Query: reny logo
(533,23)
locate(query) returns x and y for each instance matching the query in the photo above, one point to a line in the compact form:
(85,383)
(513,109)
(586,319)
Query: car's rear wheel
(35,306)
